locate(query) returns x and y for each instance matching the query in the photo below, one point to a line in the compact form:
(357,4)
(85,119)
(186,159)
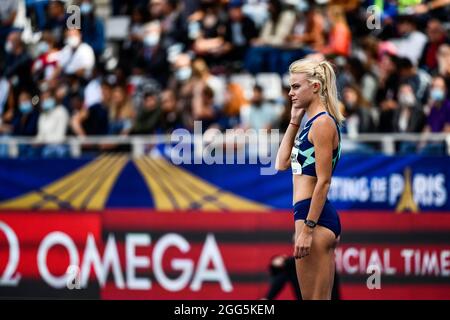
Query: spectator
(207,28)
(388,80)
(77,59)
(153,56)
(358,118)
(171,118)
(148,119)
(438,119)
(443,58)
(92,28)
(26,118)
(411,42)
(260,114)
(264,55)
(234,101)
(408,117)
(121,112)
(309,29)
(8,13)
(92,118)
(17,63)
(436,37)
(203,108)
(339,38)
(56,20)
(240,31)
(47,58)
(357,73)
(202,73)
(358,115)
(53,124)
(24,123)
(417,78)
(173,24)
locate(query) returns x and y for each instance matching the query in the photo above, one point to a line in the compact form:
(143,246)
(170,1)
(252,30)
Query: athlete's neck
(315,108)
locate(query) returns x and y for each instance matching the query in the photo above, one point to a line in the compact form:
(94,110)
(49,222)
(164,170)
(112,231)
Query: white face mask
(8,46)
(73,41)
(407,100)
(183,74)
(151,39)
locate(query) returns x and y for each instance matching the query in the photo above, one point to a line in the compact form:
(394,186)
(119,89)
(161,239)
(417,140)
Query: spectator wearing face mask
(77,58)
(438,118)
(53,124)
(417,78)
(92,28)
(24,123)
(358,118)
(408,117)
(25,120)
(152,55)
(47,58)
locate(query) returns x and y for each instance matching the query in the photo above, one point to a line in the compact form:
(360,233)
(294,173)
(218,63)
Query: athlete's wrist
(310,224)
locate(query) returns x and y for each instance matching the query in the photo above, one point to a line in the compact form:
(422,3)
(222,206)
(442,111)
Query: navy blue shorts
(329,217)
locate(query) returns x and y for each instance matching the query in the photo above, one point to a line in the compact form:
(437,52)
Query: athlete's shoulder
(323,127)
(324,122)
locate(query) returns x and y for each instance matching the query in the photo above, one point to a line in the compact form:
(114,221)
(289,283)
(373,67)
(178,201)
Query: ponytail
(323,73)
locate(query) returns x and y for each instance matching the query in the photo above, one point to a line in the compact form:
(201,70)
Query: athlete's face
(302,91)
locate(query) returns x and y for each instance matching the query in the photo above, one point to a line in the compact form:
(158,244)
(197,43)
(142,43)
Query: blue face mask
(437,94)
(48,104)
(42,47)
(86,8)
(25,107)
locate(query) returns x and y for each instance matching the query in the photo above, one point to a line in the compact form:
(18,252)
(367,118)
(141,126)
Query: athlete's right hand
(297,115)
(303,243)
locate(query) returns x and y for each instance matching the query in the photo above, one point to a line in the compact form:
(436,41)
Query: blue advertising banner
(408,183)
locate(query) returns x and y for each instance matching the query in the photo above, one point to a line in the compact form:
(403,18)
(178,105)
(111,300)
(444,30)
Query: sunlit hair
(322,73)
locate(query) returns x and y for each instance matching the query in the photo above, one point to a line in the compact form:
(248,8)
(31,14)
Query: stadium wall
(141,254)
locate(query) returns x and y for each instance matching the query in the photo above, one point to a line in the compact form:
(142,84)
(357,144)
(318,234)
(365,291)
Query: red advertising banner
(141,254)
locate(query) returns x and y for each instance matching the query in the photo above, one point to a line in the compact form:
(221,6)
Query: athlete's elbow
(324,183)
(281,166)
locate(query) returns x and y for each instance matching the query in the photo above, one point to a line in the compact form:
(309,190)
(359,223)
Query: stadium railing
(138,145)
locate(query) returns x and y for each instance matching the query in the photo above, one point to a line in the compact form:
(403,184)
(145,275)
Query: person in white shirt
(411,43)
(260,114)
(53,123)
(76,58)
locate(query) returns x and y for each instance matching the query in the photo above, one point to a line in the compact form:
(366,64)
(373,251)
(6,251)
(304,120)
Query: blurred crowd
(220,62)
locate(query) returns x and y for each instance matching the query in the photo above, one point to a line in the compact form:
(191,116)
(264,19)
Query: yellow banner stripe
(199,193)
(163,200)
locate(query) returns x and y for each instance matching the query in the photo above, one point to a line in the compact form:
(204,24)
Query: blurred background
(94,202)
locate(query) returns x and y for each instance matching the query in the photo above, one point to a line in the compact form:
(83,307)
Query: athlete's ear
(316,87)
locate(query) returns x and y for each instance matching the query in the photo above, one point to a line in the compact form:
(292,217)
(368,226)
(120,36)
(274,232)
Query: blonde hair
(322,73)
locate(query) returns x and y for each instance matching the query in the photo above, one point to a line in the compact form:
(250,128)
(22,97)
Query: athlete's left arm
(323,134)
